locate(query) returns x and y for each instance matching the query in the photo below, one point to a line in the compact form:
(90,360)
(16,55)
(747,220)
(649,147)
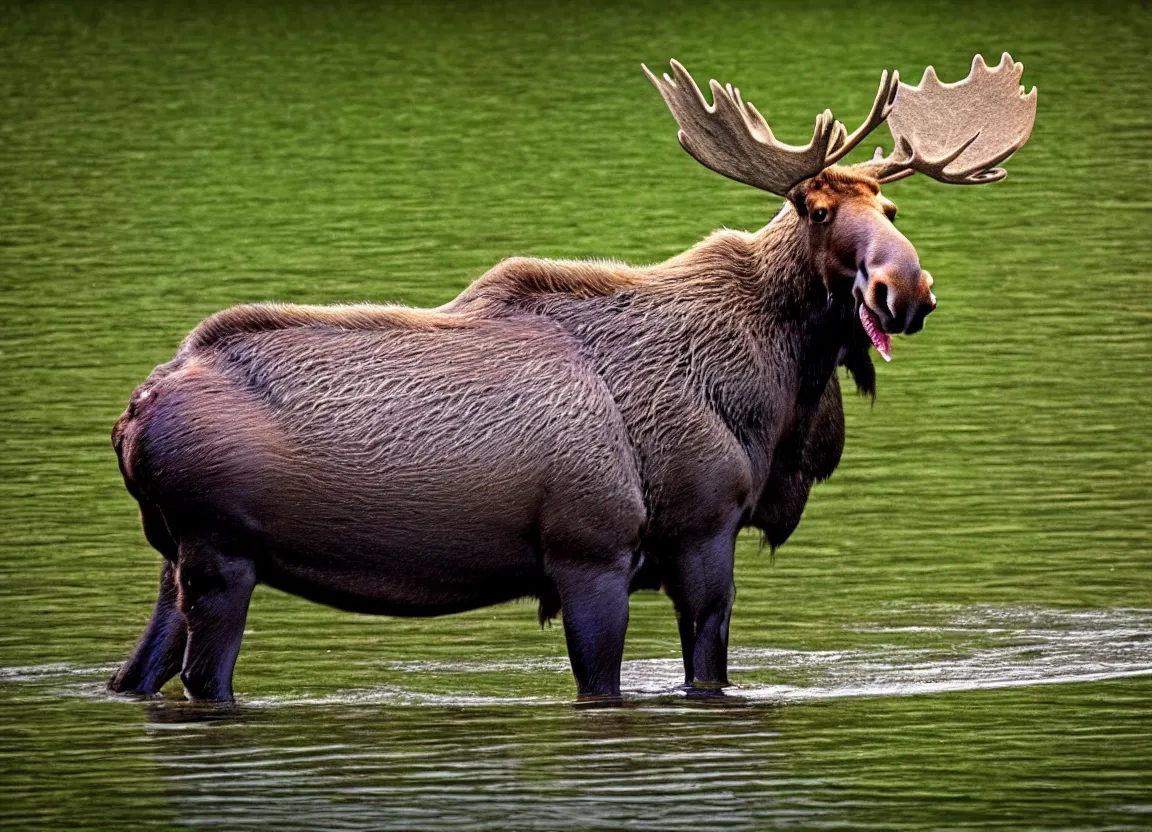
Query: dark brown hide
(568,431)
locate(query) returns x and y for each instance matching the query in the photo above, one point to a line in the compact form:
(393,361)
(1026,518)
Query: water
(960,632)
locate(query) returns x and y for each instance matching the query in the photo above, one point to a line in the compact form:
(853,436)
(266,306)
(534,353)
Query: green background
(988,527)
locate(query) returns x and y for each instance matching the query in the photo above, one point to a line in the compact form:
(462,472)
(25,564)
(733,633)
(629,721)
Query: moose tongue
(881,340)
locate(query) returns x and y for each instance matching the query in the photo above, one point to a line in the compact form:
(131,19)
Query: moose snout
(900,302)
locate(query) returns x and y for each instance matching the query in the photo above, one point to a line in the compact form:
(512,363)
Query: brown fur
(569,430)
(263,317)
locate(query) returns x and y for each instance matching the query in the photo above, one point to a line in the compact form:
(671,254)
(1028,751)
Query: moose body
(568,431)
(331,453)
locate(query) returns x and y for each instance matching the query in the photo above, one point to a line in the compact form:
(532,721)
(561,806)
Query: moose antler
(733,139)
(958,133)
(881,110)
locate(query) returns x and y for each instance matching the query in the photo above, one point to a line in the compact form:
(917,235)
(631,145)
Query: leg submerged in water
(215,588)
(594,607)
(700,583)
(159,653)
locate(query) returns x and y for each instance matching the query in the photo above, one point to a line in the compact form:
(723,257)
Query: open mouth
(881,340)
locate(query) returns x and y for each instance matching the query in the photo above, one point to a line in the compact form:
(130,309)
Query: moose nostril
(916,316)
(879,295)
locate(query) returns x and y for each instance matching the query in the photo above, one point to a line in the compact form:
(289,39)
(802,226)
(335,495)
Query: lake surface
(958,635)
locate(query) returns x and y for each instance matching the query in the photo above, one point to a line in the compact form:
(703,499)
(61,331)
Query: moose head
(955,133)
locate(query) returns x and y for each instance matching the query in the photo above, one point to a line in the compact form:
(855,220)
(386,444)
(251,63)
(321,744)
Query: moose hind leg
(159,653)
(215,588)
(594,607)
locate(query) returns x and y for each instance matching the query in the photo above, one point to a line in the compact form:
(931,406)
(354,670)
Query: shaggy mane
(519,278)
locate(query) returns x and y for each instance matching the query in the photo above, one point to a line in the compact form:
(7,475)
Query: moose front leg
(699,579)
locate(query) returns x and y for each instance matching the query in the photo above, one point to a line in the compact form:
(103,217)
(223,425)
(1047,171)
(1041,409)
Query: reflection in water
(906,762)
(480,767)
(397,758)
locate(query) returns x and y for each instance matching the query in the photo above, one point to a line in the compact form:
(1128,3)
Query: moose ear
(798,196)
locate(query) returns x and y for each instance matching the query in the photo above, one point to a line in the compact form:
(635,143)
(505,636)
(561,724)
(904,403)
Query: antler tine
(905,161)
(881,107)
(928,122)
(887,169)
(731,137)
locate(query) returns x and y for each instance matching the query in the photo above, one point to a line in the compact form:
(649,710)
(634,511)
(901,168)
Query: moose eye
(820,215)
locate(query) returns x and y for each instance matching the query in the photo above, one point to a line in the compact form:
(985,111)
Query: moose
(568,431)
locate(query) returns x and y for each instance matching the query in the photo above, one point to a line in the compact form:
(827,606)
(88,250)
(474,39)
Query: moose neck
(764,335)
(773,291)
(742,317)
